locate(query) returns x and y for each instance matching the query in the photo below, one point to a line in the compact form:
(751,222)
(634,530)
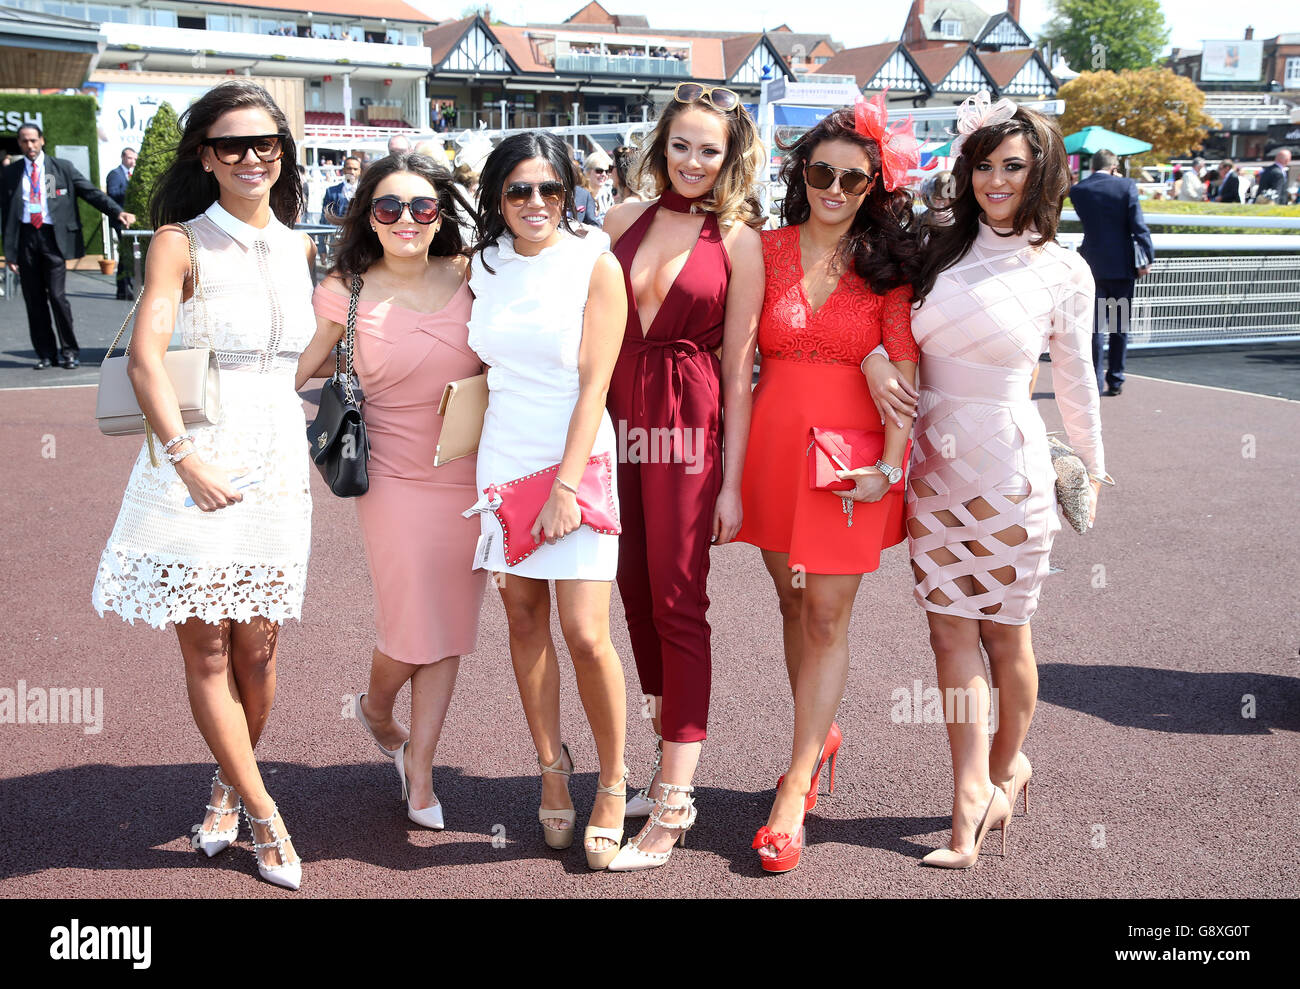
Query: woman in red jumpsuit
(694,274)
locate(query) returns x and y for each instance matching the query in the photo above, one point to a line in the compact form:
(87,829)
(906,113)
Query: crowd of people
(649,319)
(1228,183)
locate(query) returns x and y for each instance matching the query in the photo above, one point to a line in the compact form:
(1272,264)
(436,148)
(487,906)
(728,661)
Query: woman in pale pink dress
(981,513)
(411,340)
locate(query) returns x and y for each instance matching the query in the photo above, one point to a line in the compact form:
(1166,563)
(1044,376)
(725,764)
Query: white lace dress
(166,562)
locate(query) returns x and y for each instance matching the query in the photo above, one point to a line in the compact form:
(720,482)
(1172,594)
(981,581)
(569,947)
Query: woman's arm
(739,340)
(871,484)
(317,361)
(167,269)
(602,337)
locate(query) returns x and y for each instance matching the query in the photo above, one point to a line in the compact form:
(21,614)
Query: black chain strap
(343,358)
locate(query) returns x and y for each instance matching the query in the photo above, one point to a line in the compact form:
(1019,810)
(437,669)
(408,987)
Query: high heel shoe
(361,716)
(428,817)
(788,848)
(217,839)
(1019,781)
(946,858)
(630,858)
(286,874)
(830,750)
(642,803)
(557,838)
(602,858)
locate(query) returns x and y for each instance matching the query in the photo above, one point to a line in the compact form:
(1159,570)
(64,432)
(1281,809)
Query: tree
(1113,35)
(157,150)
(1155,105)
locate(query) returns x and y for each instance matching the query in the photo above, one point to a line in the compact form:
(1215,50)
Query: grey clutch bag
(193,373)
(1073,485)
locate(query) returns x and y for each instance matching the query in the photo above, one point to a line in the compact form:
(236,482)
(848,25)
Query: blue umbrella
(1090,140)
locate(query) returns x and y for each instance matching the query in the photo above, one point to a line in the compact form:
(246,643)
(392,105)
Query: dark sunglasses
(853,181)
(521,193)
(716,96)
(388,209)
(233,150)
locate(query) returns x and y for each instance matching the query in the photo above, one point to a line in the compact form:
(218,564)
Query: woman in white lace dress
(214,536)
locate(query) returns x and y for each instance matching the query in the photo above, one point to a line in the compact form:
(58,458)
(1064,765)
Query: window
(192,23)
(1293,73)
(218,22)
(822,59)
(950,28)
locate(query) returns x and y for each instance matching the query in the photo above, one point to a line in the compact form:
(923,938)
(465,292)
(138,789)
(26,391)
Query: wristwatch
(895,474)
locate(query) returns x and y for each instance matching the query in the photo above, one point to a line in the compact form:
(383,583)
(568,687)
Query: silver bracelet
(176,458)
(567,487)
(177,439)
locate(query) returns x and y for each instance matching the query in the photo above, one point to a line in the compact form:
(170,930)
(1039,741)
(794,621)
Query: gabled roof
(936,63)
(1004,65)
(522,49)
(861,63)
(594,13)
(737,51)
(443,40)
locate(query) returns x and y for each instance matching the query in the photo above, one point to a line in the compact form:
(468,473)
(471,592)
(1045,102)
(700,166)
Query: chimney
(1013,8)
(1250,33)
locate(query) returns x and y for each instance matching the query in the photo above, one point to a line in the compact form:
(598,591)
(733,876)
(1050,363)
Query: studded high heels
(216,839)
(287,874)
(631,858)
(642,803)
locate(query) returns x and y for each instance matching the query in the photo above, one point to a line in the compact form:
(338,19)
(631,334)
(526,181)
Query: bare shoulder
(333,283)
(460,264)
(621,217)
(744,244)
(606,271)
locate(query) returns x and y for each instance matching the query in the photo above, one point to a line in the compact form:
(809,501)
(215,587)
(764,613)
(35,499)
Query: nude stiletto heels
(998,810)
(557,838)
(602,858)
(361,716)
(1019,782)
(427,817)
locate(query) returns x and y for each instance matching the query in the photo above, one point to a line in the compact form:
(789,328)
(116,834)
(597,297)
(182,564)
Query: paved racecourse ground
(1165,745)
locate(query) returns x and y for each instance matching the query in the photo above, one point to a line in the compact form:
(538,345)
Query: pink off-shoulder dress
(979,446)
(419,548)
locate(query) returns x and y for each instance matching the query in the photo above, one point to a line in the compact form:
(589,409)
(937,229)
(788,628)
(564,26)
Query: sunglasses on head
(521,193)
(715,96)
(853,181)
(233,150)
(388,209)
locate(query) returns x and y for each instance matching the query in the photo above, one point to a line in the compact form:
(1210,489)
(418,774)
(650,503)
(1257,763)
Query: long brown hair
(878,242)
(186,189)
(1040,205)
(359,246)
(733,197)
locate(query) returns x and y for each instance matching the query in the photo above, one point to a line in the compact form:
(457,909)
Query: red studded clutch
(516,505)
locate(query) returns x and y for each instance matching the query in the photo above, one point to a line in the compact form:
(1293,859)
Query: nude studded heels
(557,838)
(631,858)
(210,842)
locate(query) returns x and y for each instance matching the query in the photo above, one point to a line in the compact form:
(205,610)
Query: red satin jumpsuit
(665,400)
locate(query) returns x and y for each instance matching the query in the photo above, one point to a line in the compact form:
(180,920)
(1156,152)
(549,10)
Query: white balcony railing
(134,37)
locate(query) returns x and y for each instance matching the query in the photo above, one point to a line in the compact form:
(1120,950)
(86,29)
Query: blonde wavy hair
(734,197)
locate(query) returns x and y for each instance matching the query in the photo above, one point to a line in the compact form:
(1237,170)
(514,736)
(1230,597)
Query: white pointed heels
(426,817)
(361,716)
(287,874)
(630,858)
(215,840)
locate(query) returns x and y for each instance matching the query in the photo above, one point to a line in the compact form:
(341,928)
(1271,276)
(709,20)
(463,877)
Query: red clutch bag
(830,450)
(516,505)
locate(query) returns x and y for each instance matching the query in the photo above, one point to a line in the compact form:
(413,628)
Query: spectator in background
(1230,185)
(624,161)
(398,143)
(1272,180)
(584,203)
(115,186)
(1191,187)
(339,197)
(597,172)
(1117,246)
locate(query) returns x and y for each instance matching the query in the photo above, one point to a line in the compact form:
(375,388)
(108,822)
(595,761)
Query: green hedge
(1152,208)
(67,120)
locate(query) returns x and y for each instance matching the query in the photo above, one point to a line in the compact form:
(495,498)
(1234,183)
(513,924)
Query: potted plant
(107,266)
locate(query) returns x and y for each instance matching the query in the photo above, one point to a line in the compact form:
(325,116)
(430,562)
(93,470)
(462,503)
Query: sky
(854,23)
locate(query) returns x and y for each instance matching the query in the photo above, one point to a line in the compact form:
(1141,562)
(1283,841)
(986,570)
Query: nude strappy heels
(630,858)
(601,859)
(998,810)
(557,838)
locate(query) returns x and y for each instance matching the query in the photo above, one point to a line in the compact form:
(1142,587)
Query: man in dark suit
(1114,234)
(116,186)
(339,197)
(1230,183)
(1272,180)
(42,231)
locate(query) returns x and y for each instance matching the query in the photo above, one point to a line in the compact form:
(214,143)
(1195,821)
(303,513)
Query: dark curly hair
(1040,205)
(503,160)
(359,246)
(879,242)
(186,190)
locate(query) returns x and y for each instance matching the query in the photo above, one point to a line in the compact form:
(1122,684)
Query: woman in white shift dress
(231,565)
(548,317)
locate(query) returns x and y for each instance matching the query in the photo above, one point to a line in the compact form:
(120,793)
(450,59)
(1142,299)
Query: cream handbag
(193,373)
(464,404)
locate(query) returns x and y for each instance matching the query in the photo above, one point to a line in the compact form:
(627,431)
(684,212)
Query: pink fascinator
(979,111)
(899,150)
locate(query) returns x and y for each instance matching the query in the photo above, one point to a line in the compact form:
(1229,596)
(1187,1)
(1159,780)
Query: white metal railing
(1154,218)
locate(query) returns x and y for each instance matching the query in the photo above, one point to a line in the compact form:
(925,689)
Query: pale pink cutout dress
(981,330)
(419,548)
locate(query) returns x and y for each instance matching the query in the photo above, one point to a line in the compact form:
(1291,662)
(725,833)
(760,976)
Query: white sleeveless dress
(526,325)
(166,562)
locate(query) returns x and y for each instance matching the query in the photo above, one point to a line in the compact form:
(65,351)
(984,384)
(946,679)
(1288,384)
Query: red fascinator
(899,150)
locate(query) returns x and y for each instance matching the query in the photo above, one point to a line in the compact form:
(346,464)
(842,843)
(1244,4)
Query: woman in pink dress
(401,249)
(997,291)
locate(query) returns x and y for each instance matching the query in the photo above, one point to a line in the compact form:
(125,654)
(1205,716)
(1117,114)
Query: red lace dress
(811,376)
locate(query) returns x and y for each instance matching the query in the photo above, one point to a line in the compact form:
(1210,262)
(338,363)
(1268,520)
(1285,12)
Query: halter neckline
(673,200)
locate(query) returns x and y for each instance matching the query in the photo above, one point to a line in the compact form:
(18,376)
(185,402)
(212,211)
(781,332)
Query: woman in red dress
(835,286)
(693,272)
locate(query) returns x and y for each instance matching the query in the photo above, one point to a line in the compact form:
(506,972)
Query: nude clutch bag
(463,406)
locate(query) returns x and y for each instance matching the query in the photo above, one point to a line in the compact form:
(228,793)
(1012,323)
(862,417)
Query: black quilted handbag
(339,446)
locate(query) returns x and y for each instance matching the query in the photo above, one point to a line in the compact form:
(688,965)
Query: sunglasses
(521,193)
(600,171)
(388,209)
(716,96)
(233,150)
(853,181)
